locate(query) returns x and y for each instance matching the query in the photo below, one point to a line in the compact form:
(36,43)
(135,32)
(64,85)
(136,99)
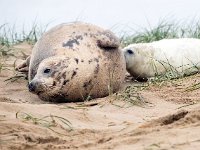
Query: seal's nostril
(31,87)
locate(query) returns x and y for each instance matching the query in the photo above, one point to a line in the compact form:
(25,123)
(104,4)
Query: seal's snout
(31,87)
(36,86)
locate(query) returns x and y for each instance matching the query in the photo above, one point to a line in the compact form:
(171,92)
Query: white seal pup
(76,61)
(144,60)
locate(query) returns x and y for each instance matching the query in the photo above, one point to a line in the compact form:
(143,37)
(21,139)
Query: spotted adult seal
(181,56)
(76,61)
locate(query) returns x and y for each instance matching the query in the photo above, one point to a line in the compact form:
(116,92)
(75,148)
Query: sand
(169,119)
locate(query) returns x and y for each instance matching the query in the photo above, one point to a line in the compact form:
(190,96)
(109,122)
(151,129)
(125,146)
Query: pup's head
(129,54)
(52,75)
(135,61)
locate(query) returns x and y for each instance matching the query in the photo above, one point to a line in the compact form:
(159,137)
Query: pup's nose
(31,87)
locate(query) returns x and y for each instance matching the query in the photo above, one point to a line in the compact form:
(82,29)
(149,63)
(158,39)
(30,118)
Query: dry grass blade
(6,51)
(75,107)
(83,105)
(172,73)
(131,96)
(186,105)
(193,87)
(16,77)
(49,121)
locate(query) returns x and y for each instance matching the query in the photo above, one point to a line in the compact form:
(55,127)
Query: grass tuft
(131,96)
(164,30)
(9,34)
(46,121)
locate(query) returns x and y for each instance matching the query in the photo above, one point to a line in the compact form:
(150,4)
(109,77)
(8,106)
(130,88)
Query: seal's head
(130,57)
(135,61)
(52,75)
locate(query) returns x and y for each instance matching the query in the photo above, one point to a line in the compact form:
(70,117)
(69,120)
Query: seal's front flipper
(107,40)
(24,67)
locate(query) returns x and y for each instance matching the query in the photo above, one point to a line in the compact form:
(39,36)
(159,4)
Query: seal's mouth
(36,89)
(39,92)
(44,89)
(54,97)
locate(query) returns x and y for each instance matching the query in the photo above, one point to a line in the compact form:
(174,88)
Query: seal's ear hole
(47,70)
(129,51)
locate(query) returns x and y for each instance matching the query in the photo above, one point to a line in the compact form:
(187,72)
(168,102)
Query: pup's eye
(47,70)
(130,51)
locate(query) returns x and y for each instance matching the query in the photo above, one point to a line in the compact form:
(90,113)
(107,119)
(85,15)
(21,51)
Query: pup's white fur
(156,58)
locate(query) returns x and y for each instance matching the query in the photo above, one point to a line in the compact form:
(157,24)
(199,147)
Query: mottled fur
(81,57)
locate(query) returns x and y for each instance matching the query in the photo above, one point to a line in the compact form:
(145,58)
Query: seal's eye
(130,51)
(47,70)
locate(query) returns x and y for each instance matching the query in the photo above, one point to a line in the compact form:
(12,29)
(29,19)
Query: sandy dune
(169,119)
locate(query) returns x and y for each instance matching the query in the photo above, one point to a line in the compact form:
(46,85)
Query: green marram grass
(164,30)
(9,34)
